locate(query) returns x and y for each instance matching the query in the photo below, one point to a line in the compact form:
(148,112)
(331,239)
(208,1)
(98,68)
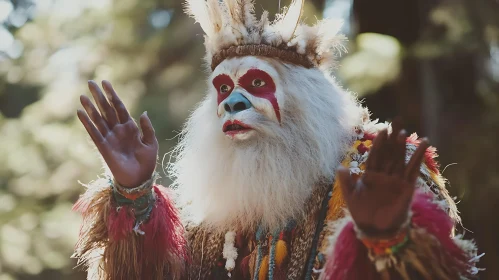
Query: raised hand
(379,200)
(130,155)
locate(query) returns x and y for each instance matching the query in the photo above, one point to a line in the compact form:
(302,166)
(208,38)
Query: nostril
(240,106)
(227,108)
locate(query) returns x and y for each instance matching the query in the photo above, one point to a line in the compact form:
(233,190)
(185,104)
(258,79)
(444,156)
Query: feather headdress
(232,29)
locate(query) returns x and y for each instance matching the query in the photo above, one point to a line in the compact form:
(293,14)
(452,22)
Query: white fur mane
(227,185)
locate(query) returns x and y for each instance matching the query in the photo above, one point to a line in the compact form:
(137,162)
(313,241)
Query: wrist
(135,193)
(140,199)
(385,243)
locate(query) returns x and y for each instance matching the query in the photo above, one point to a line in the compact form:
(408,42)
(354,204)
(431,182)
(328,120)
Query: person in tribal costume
(279,173)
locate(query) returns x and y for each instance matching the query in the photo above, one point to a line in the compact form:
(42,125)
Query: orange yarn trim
(134,195)
(386,246)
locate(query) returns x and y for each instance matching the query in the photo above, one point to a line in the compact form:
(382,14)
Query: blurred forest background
(434,62)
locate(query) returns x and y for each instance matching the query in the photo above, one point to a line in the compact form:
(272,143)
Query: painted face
(245,90)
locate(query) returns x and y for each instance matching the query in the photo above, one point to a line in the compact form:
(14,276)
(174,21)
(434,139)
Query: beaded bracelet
(379,247)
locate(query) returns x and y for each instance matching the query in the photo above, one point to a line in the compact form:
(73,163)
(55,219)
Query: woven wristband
(140,198)
(387,246)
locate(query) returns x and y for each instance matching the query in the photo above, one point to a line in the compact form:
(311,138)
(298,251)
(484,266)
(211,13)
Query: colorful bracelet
(379,247)
(141,199)
(135,193)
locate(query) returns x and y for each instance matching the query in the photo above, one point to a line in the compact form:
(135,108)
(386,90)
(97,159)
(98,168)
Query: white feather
(287,25)
(249,14)
(198,9)
(215,14)
(328,38)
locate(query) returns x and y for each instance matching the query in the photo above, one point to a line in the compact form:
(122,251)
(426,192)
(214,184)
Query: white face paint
(253,85)
(264,176)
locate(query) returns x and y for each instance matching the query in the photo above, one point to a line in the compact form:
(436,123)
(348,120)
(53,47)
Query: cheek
(270,96)
(267,92)
(267,106)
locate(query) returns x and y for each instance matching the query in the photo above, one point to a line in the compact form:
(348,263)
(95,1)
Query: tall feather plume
(215,14)
(236,14)
(286,26)
(198,9)
(264,21)
(328,38)
(248,8)
(233,23)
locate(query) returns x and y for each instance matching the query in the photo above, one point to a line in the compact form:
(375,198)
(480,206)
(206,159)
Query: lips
(235,127)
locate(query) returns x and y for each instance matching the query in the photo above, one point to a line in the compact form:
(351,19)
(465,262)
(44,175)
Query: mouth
(235,127)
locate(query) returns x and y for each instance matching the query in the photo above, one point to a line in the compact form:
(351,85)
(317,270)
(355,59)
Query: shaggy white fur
(268,177)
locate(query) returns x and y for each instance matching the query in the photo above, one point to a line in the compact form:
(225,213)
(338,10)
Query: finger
(390,147)
(399,154)
(413,167)
(107,112)
(347,183)
(120,108)
(94,115)
(396,128)
(148,134)
(373,159)
(91,129)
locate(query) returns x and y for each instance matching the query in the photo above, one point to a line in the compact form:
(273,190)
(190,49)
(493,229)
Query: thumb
(149,137)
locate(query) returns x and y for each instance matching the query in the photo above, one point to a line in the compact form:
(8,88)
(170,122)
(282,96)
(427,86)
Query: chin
(241,137)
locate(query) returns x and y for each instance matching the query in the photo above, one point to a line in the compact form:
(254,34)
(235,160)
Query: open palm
(130,155)
(379,201)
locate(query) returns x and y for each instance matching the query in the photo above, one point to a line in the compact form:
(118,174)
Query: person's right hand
(130,155)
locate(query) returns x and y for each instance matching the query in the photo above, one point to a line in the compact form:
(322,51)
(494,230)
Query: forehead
(238,66)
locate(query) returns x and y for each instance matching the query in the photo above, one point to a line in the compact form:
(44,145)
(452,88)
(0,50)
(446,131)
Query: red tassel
(164,231)
(245,267)
(81,206)
(429,215)
(349,260)
(120,223)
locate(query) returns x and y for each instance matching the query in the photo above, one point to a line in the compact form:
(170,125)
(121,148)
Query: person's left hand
(379,201)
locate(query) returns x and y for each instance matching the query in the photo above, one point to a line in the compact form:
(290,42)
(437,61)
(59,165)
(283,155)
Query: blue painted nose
(236,102)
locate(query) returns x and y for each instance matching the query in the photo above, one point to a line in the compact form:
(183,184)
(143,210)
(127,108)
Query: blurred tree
(142,46)
(447,88)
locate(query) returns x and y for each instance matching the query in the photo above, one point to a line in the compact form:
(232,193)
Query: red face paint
(267,91)
(223,80)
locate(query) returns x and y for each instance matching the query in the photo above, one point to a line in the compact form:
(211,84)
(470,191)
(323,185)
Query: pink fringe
(349,260)
(120,223)
(164,231)
(429,215)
